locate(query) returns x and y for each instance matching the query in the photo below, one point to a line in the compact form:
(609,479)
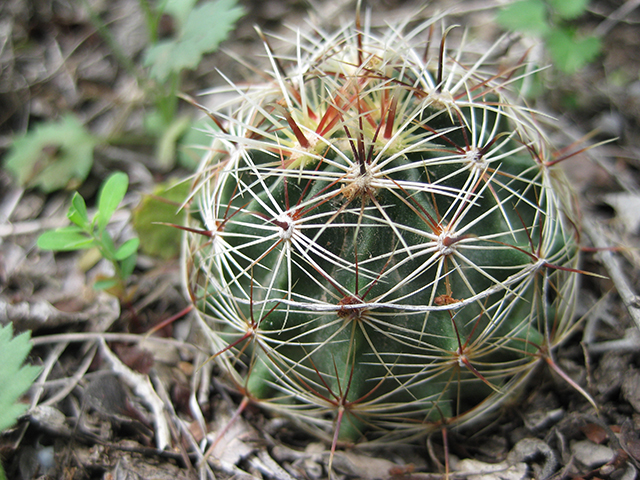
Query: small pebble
(590,454)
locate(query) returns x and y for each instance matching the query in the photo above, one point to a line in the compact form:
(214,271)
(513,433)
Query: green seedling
(204,28)
(52,156)
(59,155)
(551,21)
(15,378)
(88,233)
(199,30)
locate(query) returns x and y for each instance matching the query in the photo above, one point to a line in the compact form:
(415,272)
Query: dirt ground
(93,409)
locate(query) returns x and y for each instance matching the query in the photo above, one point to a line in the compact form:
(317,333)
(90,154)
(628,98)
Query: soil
(93,410)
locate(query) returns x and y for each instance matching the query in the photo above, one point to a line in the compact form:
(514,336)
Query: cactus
(380,241)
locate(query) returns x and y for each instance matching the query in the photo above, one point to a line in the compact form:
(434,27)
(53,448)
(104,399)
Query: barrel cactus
(379,239)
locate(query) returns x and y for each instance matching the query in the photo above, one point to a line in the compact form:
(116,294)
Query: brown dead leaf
(134,357)
(594,432)
(105,394)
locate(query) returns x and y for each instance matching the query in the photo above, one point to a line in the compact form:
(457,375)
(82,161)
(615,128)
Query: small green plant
(59,154)
(52,156)
(200,28)
(92,233)
(15,378)
(551,21)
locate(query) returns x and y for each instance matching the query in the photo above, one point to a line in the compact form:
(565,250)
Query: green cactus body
(380,243)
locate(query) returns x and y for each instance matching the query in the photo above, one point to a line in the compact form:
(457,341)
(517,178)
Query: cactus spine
(380,241)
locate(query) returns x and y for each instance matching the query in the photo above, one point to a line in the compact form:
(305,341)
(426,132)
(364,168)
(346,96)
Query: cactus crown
(379,240)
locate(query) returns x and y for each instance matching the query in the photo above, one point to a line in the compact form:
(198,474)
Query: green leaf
(127,249)
(78,212)
(179,10)
(65,239)
(529,16)
(111,194)
(568,9)
(570,53)
(15,378)
(128,264)
(162,206)
(52,156)
(105,284)
(206,26)
(108,249)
